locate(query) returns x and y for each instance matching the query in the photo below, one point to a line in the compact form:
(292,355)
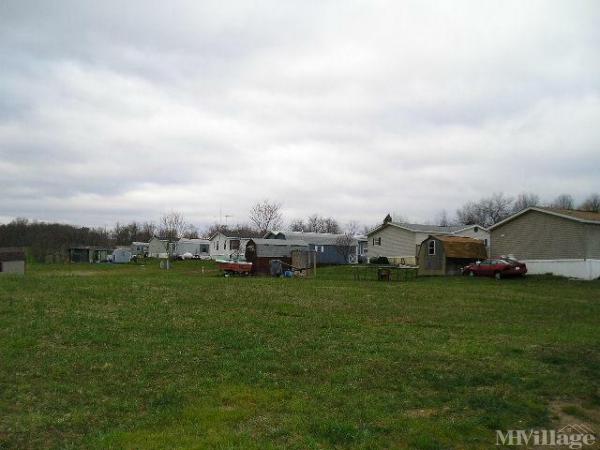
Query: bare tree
(266,215)
(172,226)
(442,219)
(486,211)
(525,200)
(215,228)
(297,225)
(148,230)
(318,224)
(330,225)
(313,223)
(345,245)
(190,232)
(352,228)
(592,203)
(563,201)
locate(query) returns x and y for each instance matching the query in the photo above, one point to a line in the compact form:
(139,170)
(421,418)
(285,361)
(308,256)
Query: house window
(431,248)
(234,244)
(476,229)
(217,245)
(319,248)
(485,242)
(377,241)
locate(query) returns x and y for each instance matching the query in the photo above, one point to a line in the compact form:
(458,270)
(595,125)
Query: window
(476,229)
(319,248)
(431,248)
(217,245)
(377,241)
(234,244)
(485,242)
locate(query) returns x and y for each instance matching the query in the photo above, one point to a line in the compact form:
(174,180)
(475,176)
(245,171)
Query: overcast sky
(124,110)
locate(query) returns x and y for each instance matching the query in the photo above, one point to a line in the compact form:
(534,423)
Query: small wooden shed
(260,252)
(446,255)
(12,260)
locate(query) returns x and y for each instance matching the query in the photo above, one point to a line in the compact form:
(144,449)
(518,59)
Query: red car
(498,268)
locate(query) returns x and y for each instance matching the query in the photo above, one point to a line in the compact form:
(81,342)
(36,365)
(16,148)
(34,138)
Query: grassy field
(130,356)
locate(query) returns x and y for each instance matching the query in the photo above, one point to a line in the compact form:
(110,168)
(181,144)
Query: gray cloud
(112,111)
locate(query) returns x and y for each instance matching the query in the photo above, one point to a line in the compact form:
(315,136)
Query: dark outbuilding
(260,252)
(89,254)
(12,260)
(446,255)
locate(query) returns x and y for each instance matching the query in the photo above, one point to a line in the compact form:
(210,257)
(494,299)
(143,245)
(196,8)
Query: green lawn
(131,356)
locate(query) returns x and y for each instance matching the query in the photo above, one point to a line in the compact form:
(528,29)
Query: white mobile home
(225,246)
(199,247)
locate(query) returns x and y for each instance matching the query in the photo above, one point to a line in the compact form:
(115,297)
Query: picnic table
(385,272)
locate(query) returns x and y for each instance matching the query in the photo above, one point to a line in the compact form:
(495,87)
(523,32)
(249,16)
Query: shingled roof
(572,214)
(462,247)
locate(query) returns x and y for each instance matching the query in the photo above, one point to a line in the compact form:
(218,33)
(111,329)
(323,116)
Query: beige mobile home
(400,242)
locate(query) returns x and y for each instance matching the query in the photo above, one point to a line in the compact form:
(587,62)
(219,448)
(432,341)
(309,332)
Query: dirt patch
(566,413)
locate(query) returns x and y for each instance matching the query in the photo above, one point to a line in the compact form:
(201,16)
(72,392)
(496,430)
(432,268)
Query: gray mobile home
(549,240)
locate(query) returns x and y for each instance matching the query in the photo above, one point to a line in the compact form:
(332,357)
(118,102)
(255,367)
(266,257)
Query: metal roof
(310,237)
(277,248)
(422,228)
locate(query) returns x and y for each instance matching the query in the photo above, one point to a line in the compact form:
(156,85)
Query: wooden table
(385,272)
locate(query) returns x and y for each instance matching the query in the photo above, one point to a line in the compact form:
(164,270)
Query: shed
(260,252)
(121,256)
(446,255)
(12,260)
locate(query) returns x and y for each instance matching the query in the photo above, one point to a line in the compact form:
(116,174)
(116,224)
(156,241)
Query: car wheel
(498,276)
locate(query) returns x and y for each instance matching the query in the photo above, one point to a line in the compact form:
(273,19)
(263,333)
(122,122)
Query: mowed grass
(95,356)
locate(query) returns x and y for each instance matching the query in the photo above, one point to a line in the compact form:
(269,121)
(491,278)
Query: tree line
(53,239)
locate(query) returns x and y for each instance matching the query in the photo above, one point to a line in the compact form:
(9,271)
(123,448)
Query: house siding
(536,235)
(224,250)
(592,239)
(480,234)
(157,248)
(395,242)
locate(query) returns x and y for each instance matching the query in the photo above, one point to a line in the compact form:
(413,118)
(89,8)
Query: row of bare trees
(490,210)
